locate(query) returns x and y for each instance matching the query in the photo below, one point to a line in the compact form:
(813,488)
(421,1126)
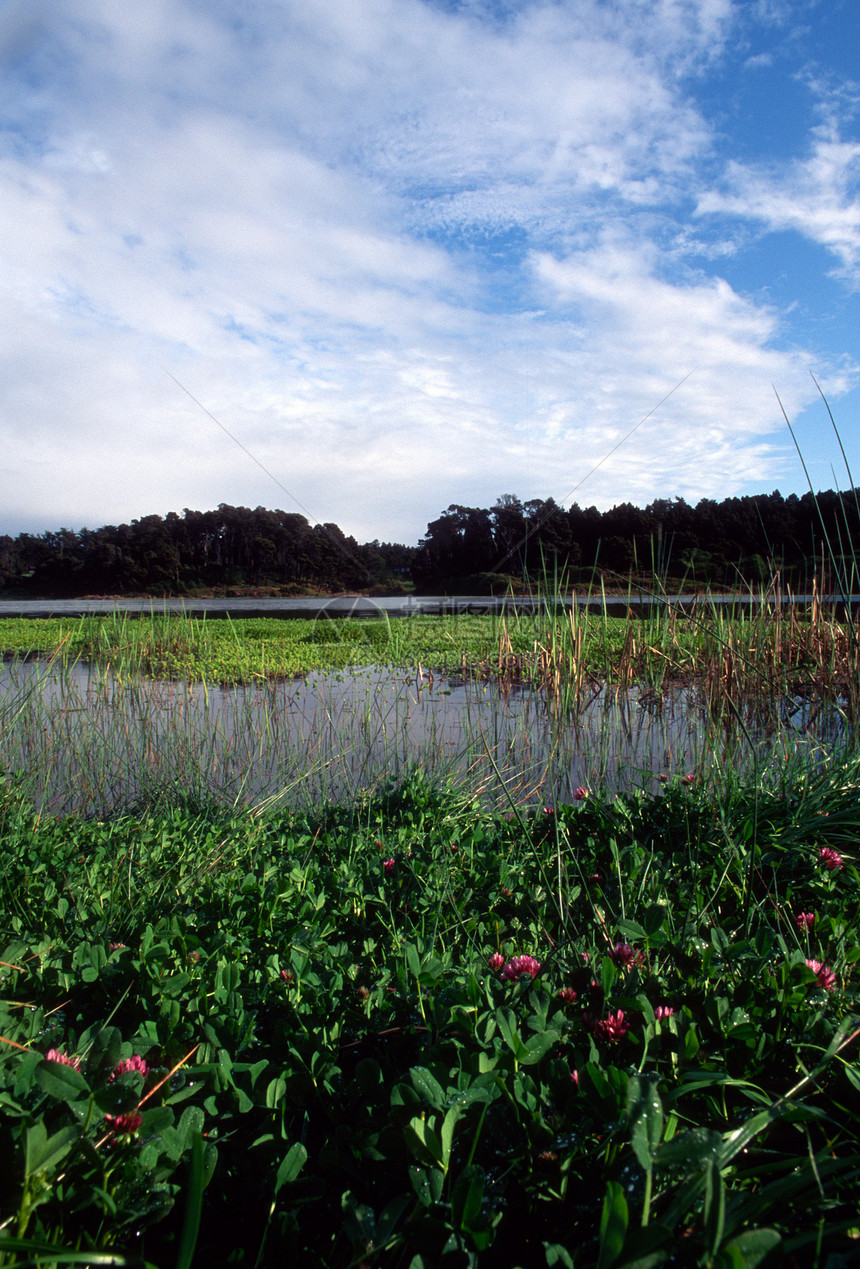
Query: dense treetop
(738,539)
(471,548)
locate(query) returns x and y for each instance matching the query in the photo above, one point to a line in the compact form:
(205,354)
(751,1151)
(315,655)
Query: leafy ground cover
(412,1032)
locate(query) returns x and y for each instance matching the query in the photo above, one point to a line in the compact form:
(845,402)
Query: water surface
(92,743)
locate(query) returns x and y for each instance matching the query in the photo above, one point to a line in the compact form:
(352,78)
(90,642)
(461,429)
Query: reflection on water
(93,743)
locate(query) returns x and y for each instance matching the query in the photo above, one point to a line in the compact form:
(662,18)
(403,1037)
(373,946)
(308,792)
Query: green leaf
(61,1081)
(556,1254)
(291,1165)
(715,1209)
(613,1225)
(103,1055)
(632,929)
(275,1091)
(360,1221)
(387,1220)
(646,1112)
(424,1142)
(449,1123)
(37,1252)
(191,1122)
(602,1097)
(157,1120)
(427,1185)
(537,1047)
(689,1152)
(193,1205)
(44,1152)
(735,1141)
(654,917)
(368,1075)
(754,1245)
(117,1099)
(467,1197)
(507,1025)
(648,1247)
(428,1086)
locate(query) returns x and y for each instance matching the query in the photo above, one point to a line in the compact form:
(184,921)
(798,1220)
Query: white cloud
(407,256)
(817,196)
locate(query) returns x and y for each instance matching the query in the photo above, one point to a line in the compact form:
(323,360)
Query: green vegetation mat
(545,647)
(413,1033)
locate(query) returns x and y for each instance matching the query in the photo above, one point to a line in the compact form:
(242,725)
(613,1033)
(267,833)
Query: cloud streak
(408,253)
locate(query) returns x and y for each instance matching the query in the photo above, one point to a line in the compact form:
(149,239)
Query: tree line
(736,540)
(230,548)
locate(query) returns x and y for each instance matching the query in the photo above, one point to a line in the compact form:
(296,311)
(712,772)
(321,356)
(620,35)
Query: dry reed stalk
(506,648)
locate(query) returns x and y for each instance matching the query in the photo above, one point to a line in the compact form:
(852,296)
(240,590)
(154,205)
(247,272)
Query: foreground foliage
(414,1033)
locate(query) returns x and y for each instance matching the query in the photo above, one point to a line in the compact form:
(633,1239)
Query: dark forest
(735,542)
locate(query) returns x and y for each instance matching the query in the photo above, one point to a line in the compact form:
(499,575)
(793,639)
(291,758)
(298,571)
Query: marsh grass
(767,653)
(85,740)
(102,714)
(766,650)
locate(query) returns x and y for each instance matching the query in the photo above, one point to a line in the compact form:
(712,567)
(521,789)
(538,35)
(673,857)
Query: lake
(91,743)
(392,605)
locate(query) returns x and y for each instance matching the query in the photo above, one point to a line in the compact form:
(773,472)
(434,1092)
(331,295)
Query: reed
(91,741)
(766,654)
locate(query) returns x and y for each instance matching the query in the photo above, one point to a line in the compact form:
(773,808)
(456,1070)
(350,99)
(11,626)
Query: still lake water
(396,605)
(95,745)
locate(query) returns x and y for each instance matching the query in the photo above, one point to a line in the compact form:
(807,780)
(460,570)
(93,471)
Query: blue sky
(413,253)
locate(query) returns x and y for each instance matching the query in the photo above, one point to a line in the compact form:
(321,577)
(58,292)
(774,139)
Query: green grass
(769,651)
(338,1074)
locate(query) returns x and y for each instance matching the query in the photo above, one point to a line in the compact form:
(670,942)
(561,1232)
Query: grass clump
(410,1031)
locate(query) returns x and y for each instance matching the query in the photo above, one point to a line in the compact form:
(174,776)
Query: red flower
(804,920)
(519,965)
(388,865)
(612,1028)
(54,1055)
(624,956)
(825,977)
(567,995)
(124,1123)
(496,961)
(663,1011)
(831,859)
(574,1077)
(580,794)
(129,1064)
